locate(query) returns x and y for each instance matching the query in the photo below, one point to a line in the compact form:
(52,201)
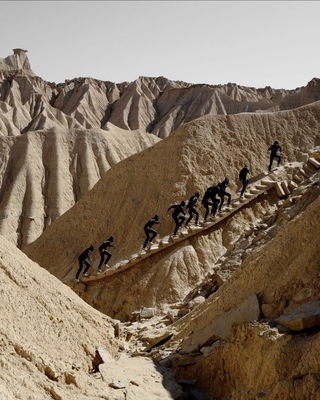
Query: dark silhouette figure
(222,192)
(243,177)
(275,152)
(104,252)
(210,201)
(191,206)
(150,233)
(84,260)
(178,215)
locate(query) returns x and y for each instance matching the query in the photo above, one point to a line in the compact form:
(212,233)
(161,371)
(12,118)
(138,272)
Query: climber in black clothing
(192,208)
(275,149)
(209,200)
(150,233)
(243,177)
(178,215)
(104,252)
(222,192)
(216,201)
(84,259)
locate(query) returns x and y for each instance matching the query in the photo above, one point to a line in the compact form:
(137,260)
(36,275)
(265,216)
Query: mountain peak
(18,62)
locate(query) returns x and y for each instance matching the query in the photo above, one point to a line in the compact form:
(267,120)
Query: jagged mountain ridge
(156,105)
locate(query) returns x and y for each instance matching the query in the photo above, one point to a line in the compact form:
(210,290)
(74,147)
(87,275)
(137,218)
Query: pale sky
(250,43)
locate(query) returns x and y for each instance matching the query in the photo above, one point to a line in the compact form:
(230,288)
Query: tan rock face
(45,174)
(196,156)
(108,111)
(47,332)
(227,309)
(257,363)
(18,62)
(153,381)
(301,317)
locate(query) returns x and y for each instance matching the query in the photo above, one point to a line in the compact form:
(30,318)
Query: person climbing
(178,215)
(210,200)
(243,177)
(150,233)
(104,252)
(84,260)
(215,191)
(222,192)
(275,152)
(191,206)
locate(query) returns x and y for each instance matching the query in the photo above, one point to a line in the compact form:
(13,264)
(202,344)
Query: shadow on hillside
(179,389)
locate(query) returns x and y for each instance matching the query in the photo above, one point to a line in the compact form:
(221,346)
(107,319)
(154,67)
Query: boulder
(301,317)
(222,323)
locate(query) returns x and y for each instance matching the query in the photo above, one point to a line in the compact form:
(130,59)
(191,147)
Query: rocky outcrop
(279,348)
(16,63)
(155,105)
(301,317)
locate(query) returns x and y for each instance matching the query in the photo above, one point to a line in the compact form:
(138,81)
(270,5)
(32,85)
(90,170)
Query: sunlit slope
(265,318)
(48,334)
(43,174)
(197,155)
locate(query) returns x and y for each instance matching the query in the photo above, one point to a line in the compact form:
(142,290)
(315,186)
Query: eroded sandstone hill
(43,174)
(48,334)
(258,336)
(220,345)
(155,105)
(196,156)
(229,312)
(54,346)
(233,310)
(57,140)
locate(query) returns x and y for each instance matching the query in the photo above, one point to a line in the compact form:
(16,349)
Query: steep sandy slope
(54,346)
(48,335)
(196,156)
(124,118)
(245,338)
(211,346)
(43,174)
(235,357)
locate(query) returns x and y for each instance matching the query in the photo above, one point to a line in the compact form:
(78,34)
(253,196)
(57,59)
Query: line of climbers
(85,257)
(212,201)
